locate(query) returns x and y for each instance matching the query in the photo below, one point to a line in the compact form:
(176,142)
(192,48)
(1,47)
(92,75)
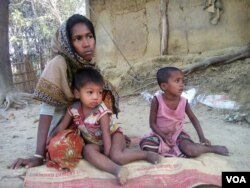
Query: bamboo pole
(164,27)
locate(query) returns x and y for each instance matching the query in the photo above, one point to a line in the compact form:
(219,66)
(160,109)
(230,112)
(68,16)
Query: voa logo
(236,179)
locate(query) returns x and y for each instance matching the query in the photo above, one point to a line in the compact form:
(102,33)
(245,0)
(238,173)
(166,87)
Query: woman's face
(83,41)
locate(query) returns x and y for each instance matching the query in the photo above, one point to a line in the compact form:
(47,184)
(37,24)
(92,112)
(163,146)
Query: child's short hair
(87,75)
(164,73)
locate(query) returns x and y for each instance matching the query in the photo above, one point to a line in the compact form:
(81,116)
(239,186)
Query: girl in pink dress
(167,117)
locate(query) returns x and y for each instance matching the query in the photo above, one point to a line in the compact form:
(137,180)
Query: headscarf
(55,84)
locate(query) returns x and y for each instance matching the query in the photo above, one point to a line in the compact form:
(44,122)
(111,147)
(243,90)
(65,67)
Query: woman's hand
(48,140)
(27,163)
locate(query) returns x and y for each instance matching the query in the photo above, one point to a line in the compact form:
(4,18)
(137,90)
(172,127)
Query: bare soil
(18,127)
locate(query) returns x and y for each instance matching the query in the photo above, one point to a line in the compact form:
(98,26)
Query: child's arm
(152,122)
(62,126)
(104,122)
(196,125)
(64,123)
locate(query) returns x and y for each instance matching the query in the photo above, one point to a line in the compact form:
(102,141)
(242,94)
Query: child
(105,143)
(167,116)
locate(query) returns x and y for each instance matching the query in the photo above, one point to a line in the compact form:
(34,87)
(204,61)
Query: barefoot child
(105,143)
(167,116)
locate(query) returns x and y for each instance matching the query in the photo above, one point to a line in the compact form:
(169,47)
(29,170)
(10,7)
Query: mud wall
(135,28)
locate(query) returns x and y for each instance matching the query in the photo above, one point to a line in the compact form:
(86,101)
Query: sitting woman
(73,47)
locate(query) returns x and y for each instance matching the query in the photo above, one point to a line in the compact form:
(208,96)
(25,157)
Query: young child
(167,116)
(105,143)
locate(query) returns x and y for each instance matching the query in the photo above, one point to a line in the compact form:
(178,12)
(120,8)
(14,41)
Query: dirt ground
(18,128)
(18,134)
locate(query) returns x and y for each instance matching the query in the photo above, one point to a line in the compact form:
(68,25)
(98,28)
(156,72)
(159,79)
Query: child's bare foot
(153,157)
(122,175)
(221,150)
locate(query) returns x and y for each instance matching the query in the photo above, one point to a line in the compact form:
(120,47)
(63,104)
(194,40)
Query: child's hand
(107,151)
(48,140)
(168,140)
(50,137)
(127,140)
(205,142)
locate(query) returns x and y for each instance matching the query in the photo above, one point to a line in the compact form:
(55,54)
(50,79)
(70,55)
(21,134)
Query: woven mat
(171,172)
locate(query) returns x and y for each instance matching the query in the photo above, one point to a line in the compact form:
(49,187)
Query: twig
(222,59)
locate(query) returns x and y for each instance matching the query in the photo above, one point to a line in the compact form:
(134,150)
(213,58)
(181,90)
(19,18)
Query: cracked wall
(134,28)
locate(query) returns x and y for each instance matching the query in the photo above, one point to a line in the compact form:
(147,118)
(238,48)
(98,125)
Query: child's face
(174,85)
(90,95)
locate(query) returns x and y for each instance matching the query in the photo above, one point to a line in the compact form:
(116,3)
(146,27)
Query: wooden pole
(164,27)
(87,9)
(5,70)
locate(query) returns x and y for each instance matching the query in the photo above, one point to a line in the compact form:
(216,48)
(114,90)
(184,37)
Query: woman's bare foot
(122,175)
(221,150)
(153,157)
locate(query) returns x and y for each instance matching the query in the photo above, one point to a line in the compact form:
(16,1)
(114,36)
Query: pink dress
(168,120)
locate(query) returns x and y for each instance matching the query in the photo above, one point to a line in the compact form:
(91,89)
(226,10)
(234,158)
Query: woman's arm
(43,129)
(45,118)
(42,133)
(196,125)
(104,122)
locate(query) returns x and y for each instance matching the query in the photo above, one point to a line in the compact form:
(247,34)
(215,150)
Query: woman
(73,46)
